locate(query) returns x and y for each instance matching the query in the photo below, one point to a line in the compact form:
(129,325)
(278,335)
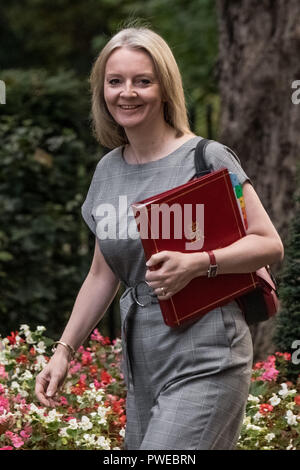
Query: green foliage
(58,39)
(287,329)
(45,153)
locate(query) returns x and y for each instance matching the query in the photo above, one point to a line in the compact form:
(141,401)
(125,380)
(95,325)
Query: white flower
(72,424)
(63,432)
(90,438)
(29,338)
(85,423)
(122,432)
(284,392)
(53,415)
(290,446)
(41,328)
(35,409)
(40,363)
(103,443)
(24,328)
(257,416)
(291,418)
(253,399)
(27,375)
(270,436)
(41,347)
(16,374)
(102,411)
(274,400)
(253,427)
(15,385)
(23,393)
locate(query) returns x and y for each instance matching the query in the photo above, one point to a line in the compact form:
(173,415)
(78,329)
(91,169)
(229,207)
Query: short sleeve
(87,206)
(220,156)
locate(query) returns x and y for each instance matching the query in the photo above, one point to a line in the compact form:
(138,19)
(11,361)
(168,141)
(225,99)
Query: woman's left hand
(176,271)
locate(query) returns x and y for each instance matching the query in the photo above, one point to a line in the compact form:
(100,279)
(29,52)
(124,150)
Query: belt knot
(143,294)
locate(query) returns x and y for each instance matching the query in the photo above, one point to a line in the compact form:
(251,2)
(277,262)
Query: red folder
(199,215)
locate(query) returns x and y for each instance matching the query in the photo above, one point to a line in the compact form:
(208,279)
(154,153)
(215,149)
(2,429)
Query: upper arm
(99,267)
(259,222)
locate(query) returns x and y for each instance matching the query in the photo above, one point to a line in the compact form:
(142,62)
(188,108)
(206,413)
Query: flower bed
(272,420)
(91,414)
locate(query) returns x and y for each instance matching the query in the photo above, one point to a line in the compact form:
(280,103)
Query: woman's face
(131,89)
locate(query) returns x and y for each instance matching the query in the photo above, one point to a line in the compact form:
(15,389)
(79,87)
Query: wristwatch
(213,267)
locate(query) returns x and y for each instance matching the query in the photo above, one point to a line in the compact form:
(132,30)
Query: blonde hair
(106,130)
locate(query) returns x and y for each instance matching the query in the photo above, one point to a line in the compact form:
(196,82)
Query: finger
(155,284)
(40,386)
(158,258)
(163,295)
(52,388)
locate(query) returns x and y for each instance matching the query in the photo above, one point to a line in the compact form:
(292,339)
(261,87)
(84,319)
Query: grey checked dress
(187,387)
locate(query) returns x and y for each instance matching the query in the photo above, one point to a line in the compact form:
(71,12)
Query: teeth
(128,107)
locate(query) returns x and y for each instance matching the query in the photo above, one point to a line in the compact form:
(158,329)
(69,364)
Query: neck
(148,144)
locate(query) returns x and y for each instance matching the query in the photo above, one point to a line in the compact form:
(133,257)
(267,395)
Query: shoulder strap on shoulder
(200,163)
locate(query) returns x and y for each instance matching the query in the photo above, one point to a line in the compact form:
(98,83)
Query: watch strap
(213,267)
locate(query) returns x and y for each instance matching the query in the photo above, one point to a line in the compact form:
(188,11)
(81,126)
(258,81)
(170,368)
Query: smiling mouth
(129,106)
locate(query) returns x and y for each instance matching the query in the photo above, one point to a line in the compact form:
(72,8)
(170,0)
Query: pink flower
(7,448)
(24,435)
(75,368)
(4,404)
(270,374)
(96,336)
(15,439)
(86,358)
(3,374)
(97,384)
(63,401)
(2,389)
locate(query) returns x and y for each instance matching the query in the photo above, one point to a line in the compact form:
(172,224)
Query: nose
(128,90)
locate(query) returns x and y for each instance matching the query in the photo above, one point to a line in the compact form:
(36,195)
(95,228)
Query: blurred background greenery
(48,154)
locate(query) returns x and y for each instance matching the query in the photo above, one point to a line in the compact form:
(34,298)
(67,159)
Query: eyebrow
(149,74)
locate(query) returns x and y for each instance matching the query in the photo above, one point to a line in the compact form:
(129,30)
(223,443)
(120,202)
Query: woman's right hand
(51,378)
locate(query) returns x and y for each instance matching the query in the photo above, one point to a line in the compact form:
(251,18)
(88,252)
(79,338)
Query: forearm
(93,299)
(245,255)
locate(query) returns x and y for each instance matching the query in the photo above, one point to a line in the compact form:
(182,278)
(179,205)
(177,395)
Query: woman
(187,386)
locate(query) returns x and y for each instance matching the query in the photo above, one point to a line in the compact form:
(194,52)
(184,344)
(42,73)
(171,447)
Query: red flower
(122,420)
(32,351)
(93,370)
(265,408)
(258,365)
(105,377)
(12,338)
(297,400)
(22,359)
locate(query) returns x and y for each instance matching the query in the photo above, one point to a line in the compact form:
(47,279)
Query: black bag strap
(200,164)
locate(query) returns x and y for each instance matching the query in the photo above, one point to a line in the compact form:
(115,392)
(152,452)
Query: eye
(144,81)
(114,81)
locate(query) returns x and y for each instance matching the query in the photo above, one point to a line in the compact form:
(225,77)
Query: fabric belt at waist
(142,293)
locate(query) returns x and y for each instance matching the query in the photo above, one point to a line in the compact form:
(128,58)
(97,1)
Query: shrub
(47,159)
